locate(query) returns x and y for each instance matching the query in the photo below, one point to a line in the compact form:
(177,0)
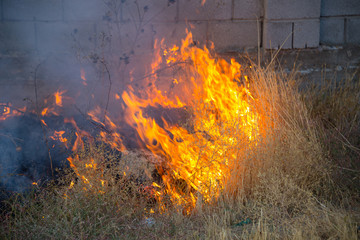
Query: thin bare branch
(39,118)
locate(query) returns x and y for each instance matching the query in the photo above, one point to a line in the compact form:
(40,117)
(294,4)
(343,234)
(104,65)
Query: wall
(48,26)
(51,40)
(340,22)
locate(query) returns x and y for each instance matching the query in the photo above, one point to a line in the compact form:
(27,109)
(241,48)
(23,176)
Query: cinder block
(65,38)
(292,9)
(233,35)
(63,71)
(332,31)
(14,71)
(248,9)
(17,36)
(338,8)
(15,93)
(84,10)
(43,10)
(353,30)
(306,34)
(211,10)
(140,66)
(277,35)
(149,11)
(125,38)
(16,79)
(174,33)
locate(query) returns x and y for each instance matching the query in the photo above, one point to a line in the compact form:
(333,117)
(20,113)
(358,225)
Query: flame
(43,122)
(197,158)
(59,98)
(82,75)
(113,138)
(44,111)
(197,162)
(58,136)
(80,134)
(6,111)
(87,172)
(53,103)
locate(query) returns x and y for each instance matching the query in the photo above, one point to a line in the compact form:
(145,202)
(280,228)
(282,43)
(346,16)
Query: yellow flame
(59,98)
(197,163)
(197,159)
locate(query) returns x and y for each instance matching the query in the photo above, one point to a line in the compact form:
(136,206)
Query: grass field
(300,181)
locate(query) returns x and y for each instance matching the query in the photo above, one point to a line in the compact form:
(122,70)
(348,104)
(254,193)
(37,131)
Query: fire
(82,75)
(112,138)
(54,103)
(80,134)
(197,157)
(44,111)
(6,111)
(198,160)
(58,136)
(59,98)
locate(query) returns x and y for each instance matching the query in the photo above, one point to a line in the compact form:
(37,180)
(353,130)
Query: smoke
(25,155)
(45,47)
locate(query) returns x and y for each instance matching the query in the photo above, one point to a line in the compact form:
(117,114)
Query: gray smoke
(43,47)
(24,157)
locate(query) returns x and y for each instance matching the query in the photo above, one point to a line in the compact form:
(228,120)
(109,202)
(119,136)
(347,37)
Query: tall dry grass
(290,184)
(293,184)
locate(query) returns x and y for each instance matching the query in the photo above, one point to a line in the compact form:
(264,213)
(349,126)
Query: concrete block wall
(57,26)
(291,23)
(123,32)
(123,26)
(340,22)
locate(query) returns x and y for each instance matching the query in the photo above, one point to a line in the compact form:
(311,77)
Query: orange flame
(6,111)
(82,75)
(197,162)
(59,98)
(79,143)
(58,136)
(112,138)
(197,159)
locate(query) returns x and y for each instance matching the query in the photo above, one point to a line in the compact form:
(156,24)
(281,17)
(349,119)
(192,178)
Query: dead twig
(109,91)
(101,126)
(159,71)
(39,118)
(12,139)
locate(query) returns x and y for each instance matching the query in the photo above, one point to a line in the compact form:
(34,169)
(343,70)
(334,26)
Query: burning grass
(256,158)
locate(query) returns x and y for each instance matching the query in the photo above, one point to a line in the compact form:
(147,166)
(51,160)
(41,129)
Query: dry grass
(301,181)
